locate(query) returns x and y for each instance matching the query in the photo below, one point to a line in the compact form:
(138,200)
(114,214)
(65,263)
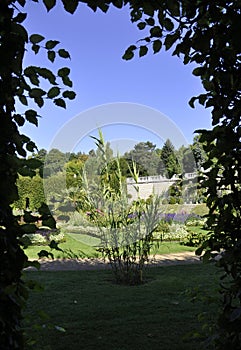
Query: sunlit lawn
(76,246)
(98,314)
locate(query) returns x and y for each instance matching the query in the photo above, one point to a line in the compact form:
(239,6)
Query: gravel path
(95,264)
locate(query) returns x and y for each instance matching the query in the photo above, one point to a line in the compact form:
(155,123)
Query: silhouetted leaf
(62,72)
(36,38)
(31,116)
(143,51)
(35,48)
(49,4)
(63,53)
(50,44)
(70,5)
(51,55)
(53,92)
(60,102)
(157,45)
(23,100)
(141,25)
(69,94)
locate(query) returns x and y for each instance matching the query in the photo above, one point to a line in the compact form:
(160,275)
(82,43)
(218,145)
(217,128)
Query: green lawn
(98,314)
(76,245)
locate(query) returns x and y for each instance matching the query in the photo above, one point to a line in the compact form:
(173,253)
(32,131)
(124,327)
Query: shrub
(177,232)
(43,237)
(170,231)
(195,220)
(194,239)
(35,239)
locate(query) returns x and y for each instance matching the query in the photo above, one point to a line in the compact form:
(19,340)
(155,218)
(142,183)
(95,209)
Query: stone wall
(152,185)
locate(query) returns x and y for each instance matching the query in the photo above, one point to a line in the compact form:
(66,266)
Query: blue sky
(96,42)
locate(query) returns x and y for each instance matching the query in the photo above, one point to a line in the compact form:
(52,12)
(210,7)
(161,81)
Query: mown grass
(98,314)
(75,246)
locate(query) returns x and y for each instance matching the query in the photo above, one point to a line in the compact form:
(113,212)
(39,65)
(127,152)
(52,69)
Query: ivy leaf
(157,45)
(70,6)
(23,100)
(39,101)
(168,24)
(47,74)
(69,94)
(51,44)
(67,81)
(156,32)
(31,73)
(63,53)
(36,38)
(143,51)
(60,102)
(170,40)
(49,4)
(31,116)
(141,25)
(51,55)
(53,92)
(62,72)
(35,48)
(36,92)
(129,54)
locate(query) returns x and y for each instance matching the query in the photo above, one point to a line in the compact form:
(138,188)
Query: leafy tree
(168,165)
(31,188)
(74,170)
(145,157)
(189,163)
(198,152)
(54,162)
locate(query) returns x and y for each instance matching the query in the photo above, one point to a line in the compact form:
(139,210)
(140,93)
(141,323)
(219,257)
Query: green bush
(194,239)
(194,221)
(43,237)
(170,231)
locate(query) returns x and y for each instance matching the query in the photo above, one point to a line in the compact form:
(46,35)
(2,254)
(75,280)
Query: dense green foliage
(24,85)
(63,170)
(125,229)
(206,33)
